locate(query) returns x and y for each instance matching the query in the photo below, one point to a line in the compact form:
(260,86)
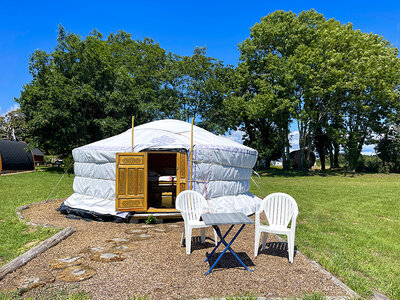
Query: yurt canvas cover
(14,157)
(221,168)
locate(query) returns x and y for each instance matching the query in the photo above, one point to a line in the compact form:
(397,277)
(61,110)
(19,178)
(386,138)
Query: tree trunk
(336,155)
(322,160)
(302,145)
(330,155)
(284,162)
(285,149)
(308,156)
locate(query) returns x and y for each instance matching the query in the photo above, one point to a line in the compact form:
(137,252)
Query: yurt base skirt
(77,213)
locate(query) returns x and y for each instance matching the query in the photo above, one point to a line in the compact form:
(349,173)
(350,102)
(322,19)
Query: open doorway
(149,181)
(162,177)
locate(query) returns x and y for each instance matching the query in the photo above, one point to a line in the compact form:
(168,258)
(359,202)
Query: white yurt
(113,180)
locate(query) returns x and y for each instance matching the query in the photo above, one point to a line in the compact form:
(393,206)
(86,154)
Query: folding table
(215,220)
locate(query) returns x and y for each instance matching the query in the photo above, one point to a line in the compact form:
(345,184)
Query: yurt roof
(14,156)
(164,135)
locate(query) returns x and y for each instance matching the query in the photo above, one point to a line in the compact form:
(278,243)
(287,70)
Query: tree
(12,125)
(277,71)
(371,96)
(388,148)
(88,89)
(253,112)
(199,84)
(3,132)
(338,84)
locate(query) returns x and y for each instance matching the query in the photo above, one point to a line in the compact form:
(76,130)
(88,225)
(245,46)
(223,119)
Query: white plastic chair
(192,204)
(280,210)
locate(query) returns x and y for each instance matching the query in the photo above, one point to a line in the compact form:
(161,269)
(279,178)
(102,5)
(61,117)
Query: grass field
(17,190)
(349,224)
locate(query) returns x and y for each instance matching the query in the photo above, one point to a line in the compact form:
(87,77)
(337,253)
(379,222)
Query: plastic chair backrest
(279,209)
(191,204)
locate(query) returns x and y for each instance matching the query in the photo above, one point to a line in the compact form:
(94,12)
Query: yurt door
(131,182)
(181,172)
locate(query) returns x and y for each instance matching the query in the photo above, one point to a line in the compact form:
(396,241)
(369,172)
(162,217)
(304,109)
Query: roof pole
(133,122)
(191,156)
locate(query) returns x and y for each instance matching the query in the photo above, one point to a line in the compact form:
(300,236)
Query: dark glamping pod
(13,156)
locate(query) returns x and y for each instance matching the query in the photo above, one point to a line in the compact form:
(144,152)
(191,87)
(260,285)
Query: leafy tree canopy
(88,89)
(12,126)
(337,83)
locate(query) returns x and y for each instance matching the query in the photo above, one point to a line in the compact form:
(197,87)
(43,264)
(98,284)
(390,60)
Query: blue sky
(178,26)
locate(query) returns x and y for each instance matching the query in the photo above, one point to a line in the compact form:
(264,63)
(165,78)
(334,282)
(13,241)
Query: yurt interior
(161,180)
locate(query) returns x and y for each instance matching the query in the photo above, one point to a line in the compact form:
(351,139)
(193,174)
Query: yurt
(14,157)
(112,180)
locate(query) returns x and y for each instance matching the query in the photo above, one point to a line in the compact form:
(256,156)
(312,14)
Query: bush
(68,163)
(384,169)
(373,163)
(369,163)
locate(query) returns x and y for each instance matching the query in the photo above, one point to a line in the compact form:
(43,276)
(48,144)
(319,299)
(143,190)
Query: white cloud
(14,107)
(236,136)
(368,150)
(4,112)
(294,140)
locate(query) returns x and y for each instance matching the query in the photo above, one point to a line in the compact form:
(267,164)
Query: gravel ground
(161,269)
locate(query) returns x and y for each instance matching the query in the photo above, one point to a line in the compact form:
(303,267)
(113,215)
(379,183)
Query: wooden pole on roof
(133,122)
(191,156)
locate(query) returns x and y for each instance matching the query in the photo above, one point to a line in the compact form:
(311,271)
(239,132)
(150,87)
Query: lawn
(349,224)
(17,190)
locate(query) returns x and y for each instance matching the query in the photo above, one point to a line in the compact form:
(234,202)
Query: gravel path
(153,263)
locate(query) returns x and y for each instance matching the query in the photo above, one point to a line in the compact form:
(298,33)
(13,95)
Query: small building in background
(295,159)
(38,156)
(14,157)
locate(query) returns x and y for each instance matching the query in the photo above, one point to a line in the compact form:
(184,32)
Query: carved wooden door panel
(181,172)
(131,182)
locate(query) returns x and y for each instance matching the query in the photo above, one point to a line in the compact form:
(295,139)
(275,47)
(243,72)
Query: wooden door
(131,182)
(181,172)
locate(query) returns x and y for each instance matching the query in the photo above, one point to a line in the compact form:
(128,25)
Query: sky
(178,26)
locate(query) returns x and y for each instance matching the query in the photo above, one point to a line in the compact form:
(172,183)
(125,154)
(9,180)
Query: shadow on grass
(273,172)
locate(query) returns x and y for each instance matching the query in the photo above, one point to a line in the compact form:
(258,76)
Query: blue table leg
(233,252)
(227,246)
(221,239)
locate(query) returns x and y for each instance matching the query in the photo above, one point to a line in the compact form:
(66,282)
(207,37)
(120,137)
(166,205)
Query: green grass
(246,296)
(17,190)
(47,294)
(253,296)
(350,224)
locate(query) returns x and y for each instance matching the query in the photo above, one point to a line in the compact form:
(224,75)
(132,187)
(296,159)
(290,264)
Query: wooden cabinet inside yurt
(150,181)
